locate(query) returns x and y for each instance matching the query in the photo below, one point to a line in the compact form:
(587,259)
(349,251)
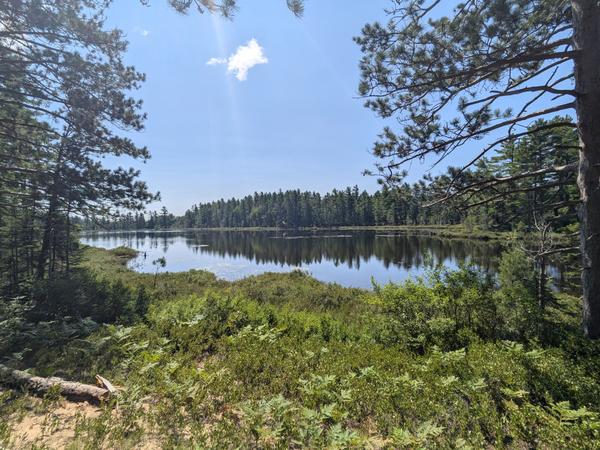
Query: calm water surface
(347,258)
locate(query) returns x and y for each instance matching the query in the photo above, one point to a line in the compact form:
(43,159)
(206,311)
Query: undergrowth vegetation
(456,359)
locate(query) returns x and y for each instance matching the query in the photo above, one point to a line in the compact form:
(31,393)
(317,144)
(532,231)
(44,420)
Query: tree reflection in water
(354,250)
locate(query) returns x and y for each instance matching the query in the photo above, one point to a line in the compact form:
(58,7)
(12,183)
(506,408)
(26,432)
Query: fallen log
(40,385)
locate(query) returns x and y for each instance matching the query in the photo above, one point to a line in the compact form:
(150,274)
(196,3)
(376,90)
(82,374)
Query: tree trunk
(541,284)
(39,385)
(586,39)
(46,237)
(68,244)
(51,216)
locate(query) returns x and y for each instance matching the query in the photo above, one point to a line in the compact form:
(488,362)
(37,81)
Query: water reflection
(349,258)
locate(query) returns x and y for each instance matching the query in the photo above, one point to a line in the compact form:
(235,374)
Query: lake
(350,258)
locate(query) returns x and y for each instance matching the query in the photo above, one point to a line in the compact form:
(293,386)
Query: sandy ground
(53,429)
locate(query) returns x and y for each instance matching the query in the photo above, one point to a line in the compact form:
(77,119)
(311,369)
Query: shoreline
(444,231)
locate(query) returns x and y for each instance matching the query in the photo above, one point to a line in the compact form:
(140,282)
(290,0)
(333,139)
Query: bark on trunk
(51,215)
(39,385)
(541,284)
(586,39)
(45,249)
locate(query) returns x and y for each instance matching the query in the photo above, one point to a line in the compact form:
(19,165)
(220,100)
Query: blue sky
(295,122)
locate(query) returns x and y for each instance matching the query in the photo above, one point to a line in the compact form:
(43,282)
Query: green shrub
(446,309)
(516,297)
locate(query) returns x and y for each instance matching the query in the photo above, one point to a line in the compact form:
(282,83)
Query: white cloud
(141,31)
(245,57)
(215,61)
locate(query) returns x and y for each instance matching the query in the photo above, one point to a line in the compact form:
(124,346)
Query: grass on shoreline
(285,361)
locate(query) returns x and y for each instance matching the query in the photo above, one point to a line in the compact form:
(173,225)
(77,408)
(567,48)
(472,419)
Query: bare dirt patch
(53,428)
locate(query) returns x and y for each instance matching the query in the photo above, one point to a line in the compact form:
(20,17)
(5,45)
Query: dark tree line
(525,202)
(154,220)
(296,209)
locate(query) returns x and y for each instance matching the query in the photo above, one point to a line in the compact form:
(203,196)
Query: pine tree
(448,79)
